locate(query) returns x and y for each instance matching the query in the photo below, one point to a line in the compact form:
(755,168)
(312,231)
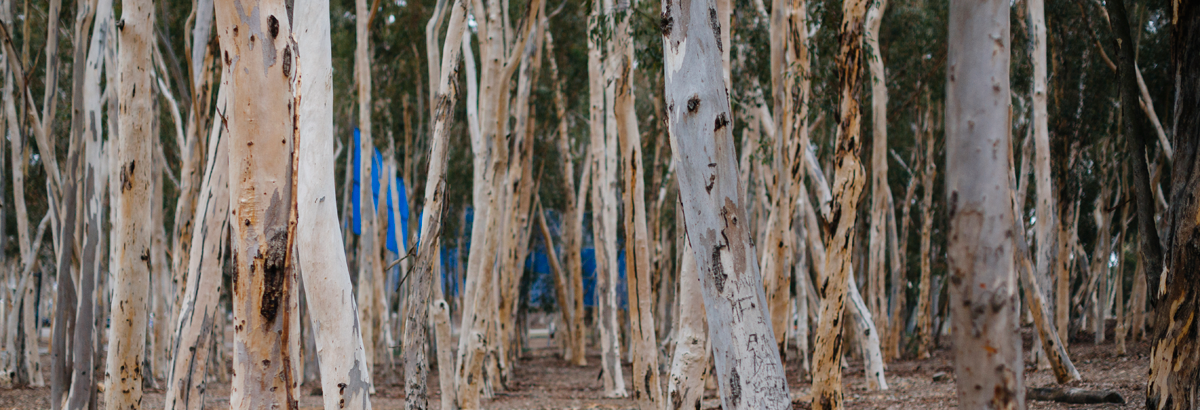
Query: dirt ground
(544,381)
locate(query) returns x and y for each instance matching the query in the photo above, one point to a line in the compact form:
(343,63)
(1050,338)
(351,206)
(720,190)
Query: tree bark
(196,325)
(643,345)
(261,61)
(329,292)
(416,365)
(689,367)
(123,387)
(848,184)
(1055,351)
(749,371)
(880,191)
(1173,368)
(604,207)
(368,249)
(982,279)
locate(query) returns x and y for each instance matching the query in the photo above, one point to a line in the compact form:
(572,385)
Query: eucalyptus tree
(1173,369)
(749,371)
(318,239)
(258,52)
(983,283)
(130,287)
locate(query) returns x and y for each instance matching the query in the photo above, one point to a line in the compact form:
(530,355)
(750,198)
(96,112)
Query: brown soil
(544,381)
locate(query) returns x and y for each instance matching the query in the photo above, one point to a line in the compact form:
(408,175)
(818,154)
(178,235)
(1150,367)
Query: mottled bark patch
(718,271)
(274,260)
(735,387)
(273,26)
(720,122)
(716,27)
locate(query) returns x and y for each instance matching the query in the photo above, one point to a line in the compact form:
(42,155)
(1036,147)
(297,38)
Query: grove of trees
(732,195)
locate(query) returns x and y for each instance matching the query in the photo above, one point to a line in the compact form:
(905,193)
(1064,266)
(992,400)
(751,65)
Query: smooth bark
(982,278)
(322,261)
(256,38)
(130,287)
(749,371)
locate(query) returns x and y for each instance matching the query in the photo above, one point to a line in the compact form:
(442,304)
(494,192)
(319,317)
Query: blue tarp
(393,243)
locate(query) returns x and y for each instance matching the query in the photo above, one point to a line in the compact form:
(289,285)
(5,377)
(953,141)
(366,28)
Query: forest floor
(544,381)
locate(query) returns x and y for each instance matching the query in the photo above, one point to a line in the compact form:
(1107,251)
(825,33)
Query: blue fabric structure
(394,244)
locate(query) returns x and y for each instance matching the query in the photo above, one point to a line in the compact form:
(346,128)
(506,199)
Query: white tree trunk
(880,191)
(868,343)
(123,386)
(983,282)
(1046,229)
(198,312)
(261,61)
(848,183)
(604,214)
(749,371)
(689,368)
(329,293)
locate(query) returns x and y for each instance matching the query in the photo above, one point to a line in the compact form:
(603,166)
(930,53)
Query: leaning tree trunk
(748,367)
(260,60)
(416,365)
(130,288)
(322,260)
(196,324)
(1173,362)
(983,283)
(847,185)
(1035,299)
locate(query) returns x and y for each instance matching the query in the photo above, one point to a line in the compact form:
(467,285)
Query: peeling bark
(848,184)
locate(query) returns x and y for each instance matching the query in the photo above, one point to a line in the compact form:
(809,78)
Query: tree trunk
(266,320)
(1045,231)
(848,184)
(198,315)
(880,191)
(416,365)
(1055,352)
(322,261)
(604,207)
(1173,365)
(983,281)
(643,345)
(368,249)
(123,387)
(689,368)
(749,371)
